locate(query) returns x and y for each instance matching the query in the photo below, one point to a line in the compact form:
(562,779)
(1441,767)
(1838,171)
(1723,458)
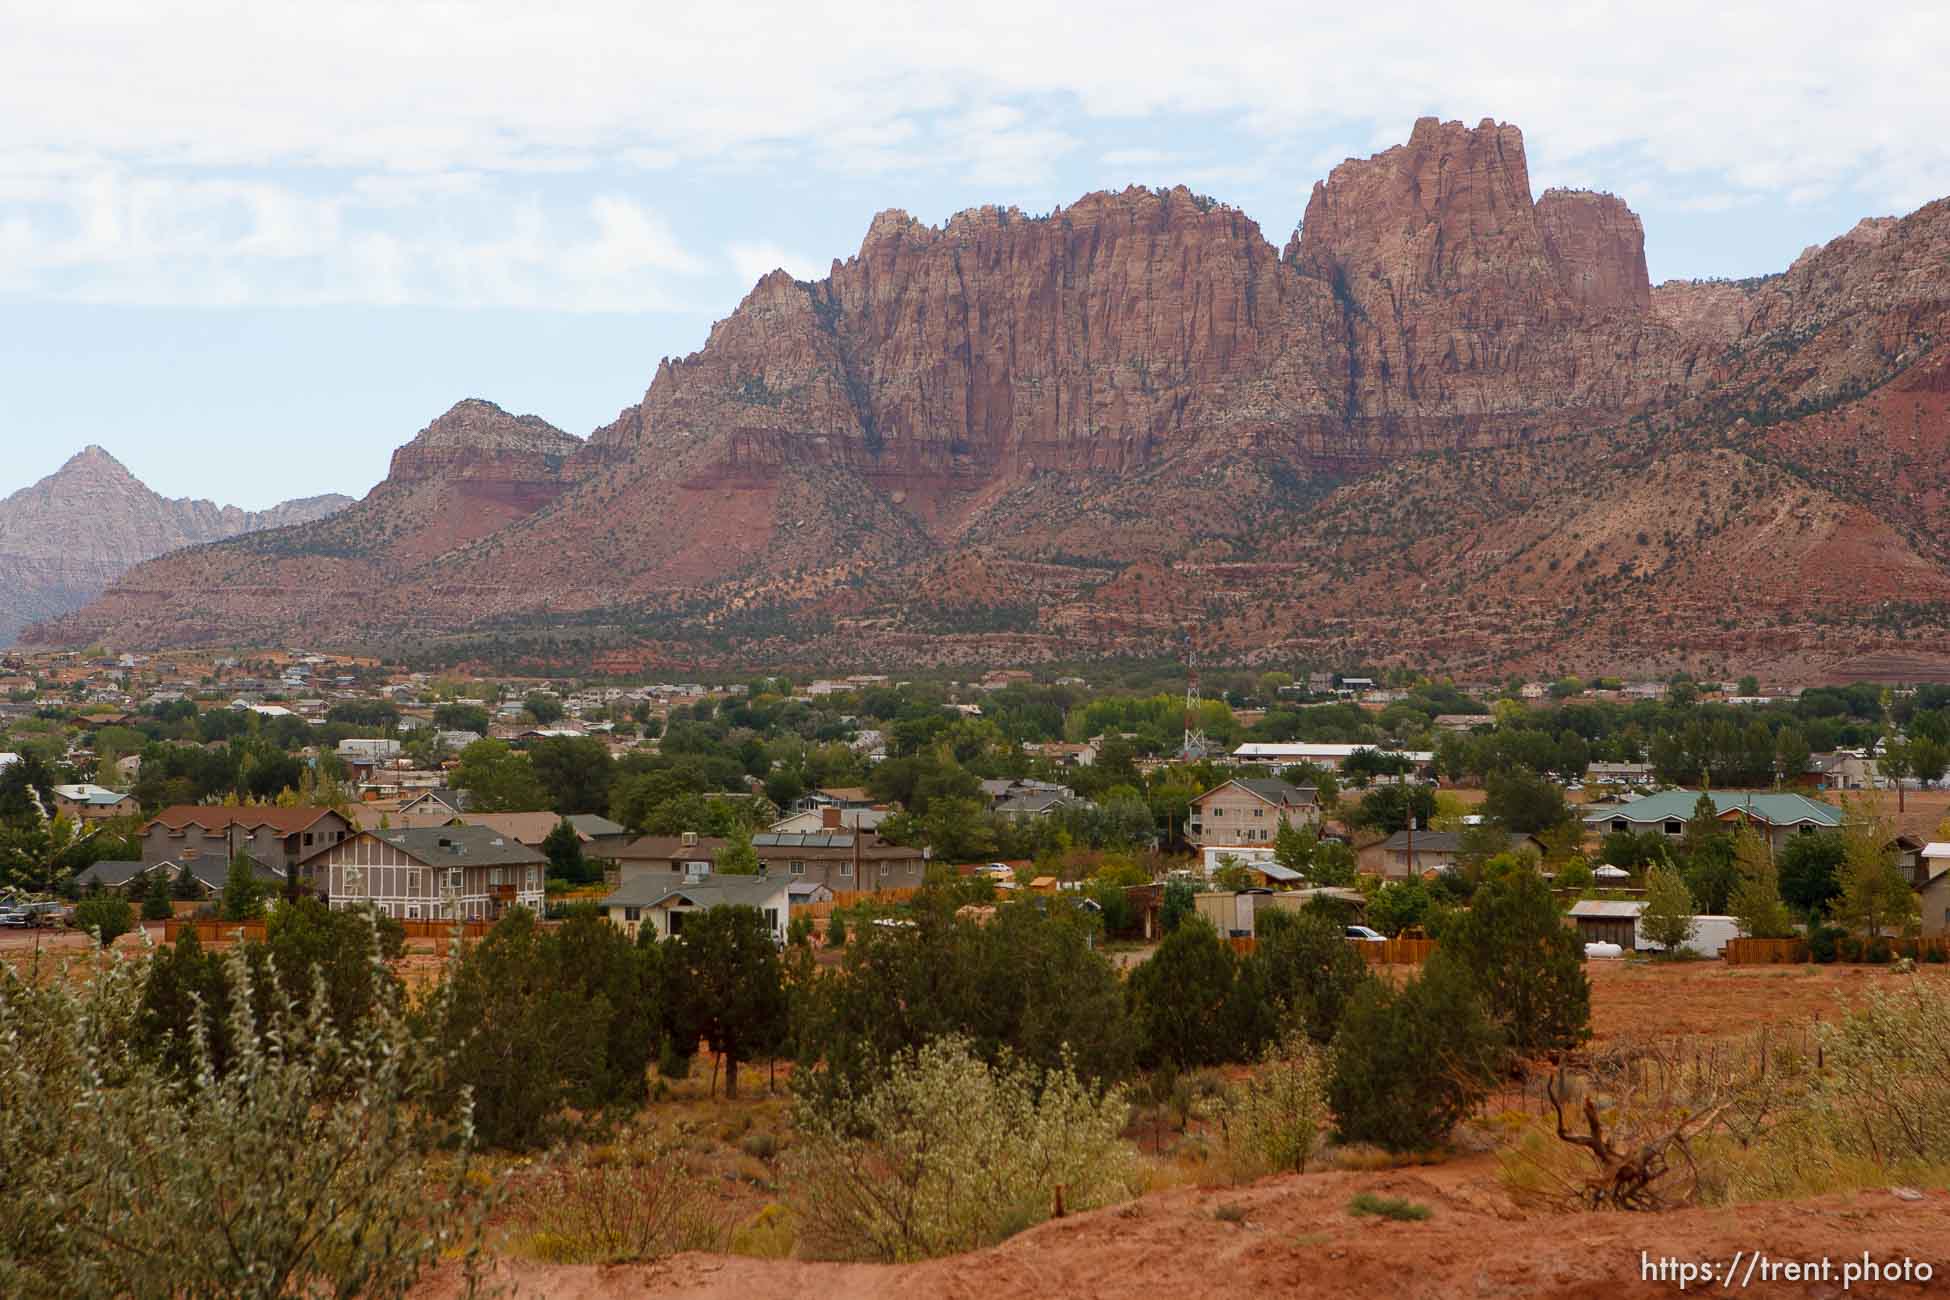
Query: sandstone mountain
(1447,423)
(65,538)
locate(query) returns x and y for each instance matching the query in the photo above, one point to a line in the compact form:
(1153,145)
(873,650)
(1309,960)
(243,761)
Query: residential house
(277,837)
(468,873)
(663,904)
(832,819)
(1027,805)
(1632,774)
(1248,812)
(835,797)
(1417,853)
(1463,722)
(839,860)
(1329,756)
(210,875)
(435,799)
(92,802)
(689,855)
(601,838)
(1934,901)
(1777,816)
(1841,769)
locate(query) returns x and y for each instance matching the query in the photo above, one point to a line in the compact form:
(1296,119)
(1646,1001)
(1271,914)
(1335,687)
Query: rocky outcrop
(65,538)
(1597,246)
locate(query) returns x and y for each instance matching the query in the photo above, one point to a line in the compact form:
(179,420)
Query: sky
(250,248)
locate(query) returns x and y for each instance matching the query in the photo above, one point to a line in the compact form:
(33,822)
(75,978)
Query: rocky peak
(1598,247)
(476,434)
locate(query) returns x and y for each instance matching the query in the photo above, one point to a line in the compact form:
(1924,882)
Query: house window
(772,917)
(1218,812)
(454,878)
(307,838)
(412,881)
(798,868)
(412,911)
(1259,812)
(1620,824)
(632,914)
(497,876)
(1675,828)
(846,868)
(1807,828)
(674,922)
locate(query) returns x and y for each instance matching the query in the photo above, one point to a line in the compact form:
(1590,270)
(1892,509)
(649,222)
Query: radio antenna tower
(1194,747)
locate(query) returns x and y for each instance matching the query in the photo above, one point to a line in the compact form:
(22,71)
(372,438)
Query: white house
(663,904)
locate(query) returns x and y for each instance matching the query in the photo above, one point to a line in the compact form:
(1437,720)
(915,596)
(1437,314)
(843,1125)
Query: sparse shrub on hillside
(949,1153)
(300,1170)
(1273,1121)
(643,1205)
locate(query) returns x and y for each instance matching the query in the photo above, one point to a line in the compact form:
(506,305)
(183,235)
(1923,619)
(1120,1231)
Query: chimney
(829,819)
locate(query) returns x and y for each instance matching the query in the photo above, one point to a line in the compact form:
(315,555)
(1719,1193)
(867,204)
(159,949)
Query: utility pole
(1194,746)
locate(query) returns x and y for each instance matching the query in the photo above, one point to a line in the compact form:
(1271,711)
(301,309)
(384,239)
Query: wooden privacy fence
(847,898)
(1764,952)
(445,929)
(213,931)
(1389,952)
(1772,952)
(208,931)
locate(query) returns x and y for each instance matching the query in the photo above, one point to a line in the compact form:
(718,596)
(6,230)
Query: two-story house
(840,860)
(1247,812)
(276,837)
(438,873)
(92,802)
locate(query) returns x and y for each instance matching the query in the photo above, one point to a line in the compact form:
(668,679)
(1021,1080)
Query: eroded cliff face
(942,360)
(1597,246)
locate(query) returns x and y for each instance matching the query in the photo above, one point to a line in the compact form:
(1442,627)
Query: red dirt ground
(1298,1239)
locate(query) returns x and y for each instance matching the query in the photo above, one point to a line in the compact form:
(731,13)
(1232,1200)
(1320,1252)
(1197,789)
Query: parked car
(1365,934)
(15,918)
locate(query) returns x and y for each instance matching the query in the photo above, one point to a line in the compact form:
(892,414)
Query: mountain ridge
(66,537)
(1000,411)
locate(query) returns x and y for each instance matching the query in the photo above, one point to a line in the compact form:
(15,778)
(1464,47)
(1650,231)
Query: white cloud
(298,125)
(1136,157)
(751,262)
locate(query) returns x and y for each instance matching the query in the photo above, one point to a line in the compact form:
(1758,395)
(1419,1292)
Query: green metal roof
(1677,805)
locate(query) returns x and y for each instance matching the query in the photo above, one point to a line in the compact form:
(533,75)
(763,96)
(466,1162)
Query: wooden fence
(213,931)
(849,898)
(1389,952)
(208,931)
(1774,952)
(1764,952)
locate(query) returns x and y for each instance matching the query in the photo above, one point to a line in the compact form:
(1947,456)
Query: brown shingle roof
(216,817)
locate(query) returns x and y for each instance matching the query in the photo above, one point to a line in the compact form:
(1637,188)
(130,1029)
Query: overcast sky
(252,247)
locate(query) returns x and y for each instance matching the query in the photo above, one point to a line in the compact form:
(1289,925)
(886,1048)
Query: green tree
(542,707)
(1398,905)
(459,715)
(155,896)
(737,857)
(498,778)
(1875,895)
(1334,864)
(728,986)
(563,848)
(185,888)
(1175,904)
(345,952)
(1523,802)
(106,915)
(243,893)
(1184,1000)
(1388,808)
(1810,871)
(1528,964)
(575,771)
(1668,916)
(836,931)
(1411,1061)
(1308,967)
(514,1034)
(1756,903)
(1293,847)
(1896,762)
